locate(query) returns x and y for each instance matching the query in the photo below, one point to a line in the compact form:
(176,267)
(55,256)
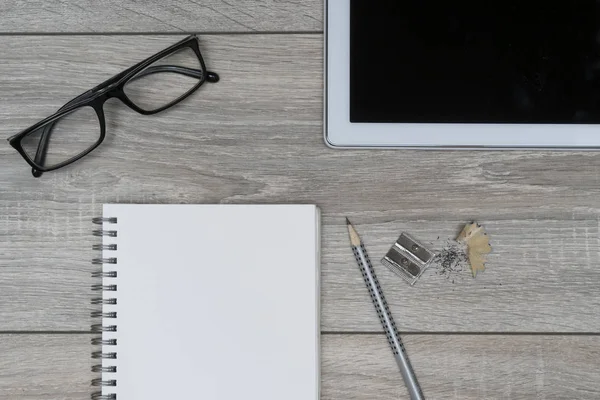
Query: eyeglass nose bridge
(105,93)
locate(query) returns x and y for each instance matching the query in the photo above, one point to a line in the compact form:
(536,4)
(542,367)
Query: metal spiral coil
(99,300)
(100,328)
(98,355)
(100,220)
(103,274)
(100,382)
(100,396)
(100,368)
(104,342)
(100,314)
(101,232)
(100,261)
(105,288)
(104,247)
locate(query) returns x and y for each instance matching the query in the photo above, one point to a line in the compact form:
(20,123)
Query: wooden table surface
(527,328)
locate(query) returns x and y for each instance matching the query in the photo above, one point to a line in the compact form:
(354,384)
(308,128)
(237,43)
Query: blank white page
(214,302)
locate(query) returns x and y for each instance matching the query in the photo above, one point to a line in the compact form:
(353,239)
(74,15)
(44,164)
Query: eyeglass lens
(63,139)
(165,81)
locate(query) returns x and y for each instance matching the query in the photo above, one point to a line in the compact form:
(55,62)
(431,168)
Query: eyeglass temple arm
(191,72)
(40,154)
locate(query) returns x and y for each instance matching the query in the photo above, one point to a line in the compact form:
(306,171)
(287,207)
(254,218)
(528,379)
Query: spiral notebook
(211,302)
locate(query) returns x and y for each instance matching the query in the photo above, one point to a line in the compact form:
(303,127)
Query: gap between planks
(182,33)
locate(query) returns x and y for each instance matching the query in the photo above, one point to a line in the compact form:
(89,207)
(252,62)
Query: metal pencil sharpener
(408,258)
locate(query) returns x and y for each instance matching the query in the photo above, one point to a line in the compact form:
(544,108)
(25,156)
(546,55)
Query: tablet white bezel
(340,132)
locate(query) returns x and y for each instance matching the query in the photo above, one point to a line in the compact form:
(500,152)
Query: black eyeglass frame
(97,96)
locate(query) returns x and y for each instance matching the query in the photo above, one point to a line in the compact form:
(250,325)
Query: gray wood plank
(541,276)
(464,367)
(20,16)
(256,137)
(354,367)
(45,367)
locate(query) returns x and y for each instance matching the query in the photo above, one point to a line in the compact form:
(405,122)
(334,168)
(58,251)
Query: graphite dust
(451,261)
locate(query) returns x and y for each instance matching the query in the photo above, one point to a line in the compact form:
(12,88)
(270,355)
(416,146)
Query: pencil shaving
(477,241)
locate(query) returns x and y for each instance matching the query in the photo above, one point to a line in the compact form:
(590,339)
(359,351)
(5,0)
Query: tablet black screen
(503,61)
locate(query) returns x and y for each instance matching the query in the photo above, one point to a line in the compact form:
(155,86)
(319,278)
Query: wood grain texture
(25,16)
(354,367)
(45,367)
(540,277)
(463,367)
(256,137)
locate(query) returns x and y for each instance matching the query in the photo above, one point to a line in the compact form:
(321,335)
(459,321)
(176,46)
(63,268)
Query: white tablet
(462,74)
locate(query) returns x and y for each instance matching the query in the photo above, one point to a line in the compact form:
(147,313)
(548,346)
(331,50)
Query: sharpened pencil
(385,316)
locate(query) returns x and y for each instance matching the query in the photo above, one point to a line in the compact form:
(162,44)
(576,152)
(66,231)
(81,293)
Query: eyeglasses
(149,87)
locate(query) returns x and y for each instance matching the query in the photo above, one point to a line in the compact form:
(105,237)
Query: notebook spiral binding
(100,328)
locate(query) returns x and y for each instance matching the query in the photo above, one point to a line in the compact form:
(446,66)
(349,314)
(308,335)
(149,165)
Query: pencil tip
(354,238)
